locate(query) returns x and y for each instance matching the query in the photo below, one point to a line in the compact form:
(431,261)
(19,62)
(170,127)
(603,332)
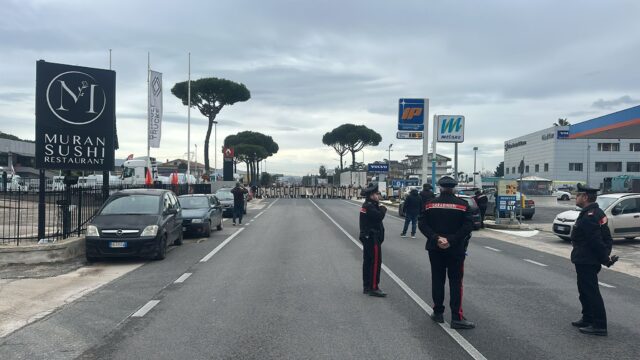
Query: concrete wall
(48,253)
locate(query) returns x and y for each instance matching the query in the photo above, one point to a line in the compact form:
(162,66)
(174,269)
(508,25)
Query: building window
(513,170)
(608,147)
(546,167)
(633,167)
(634,147)
(608,166)
(575,166)
(526,169)
(537,168)
(4,160)
(507,170)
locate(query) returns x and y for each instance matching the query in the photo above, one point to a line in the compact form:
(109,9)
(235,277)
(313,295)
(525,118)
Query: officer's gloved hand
(383,208)
(612,260)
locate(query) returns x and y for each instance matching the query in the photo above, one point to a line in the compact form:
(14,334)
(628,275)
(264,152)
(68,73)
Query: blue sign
(378,168)
(563,134)
(411,115)
(396,184)
(506,203)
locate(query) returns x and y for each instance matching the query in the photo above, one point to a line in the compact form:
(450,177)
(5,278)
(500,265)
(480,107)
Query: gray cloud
(608,104)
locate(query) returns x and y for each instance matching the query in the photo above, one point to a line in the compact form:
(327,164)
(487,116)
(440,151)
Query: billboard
(411,114)
(378,168)
(75,117)
(450,128)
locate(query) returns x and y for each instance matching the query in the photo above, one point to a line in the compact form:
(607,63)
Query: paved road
(287,285)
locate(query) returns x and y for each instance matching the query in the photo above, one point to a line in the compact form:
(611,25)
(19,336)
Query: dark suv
(136,222)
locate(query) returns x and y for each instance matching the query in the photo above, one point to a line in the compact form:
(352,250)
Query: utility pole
(475,151)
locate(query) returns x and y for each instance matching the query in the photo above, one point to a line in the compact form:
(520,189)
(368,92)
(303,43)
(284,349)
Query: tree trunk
(206,146)
(353,160)
(341,168)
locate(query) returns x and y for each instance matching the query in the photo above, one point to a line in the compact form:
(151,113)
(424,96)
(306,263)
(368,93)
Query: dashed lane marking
(182,278)
(606,285)
(492,249)
(146,308)
(214,251)
(535,262)
(470,349)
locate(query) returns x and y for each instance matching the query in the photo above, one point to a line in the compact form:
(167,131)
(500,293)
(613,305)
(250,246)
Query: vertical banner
(155,108)
(75,117)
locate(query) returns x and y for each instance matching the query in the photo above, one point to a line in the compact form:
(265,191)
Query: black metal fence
(67,211)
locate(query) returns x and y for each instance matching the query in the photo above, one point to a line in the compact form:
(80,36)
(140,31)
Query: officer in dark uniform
(372,236)
(482,201)
(591,240)
(447,223)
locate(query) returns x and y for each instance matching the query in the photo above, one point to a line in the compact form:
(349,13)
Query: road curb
(62,251)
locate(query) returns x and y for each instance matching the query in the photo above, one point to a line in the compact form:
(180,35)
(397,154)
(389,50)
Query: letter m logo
(450,125)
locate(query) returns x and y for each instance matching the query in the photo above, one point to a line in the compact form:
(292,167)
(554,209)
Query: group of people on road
(446,221)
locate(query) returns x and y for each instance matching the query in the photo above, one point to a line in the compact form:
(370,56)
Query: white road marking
(492,249)
(259,214)
(146,308)
(182,278)
(225,219)
(247,224)
(606,285)
(214,251)
(470,349)
(535,262)
(270,205)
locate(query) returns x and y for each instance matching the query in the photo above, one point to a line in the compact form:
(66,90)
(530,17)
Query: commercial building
(413,166)
(587,152)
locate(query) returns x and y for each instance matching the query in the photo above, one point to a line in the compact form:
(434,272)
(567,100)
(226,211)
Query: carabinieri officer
(447,223)
(372,236)
(592,243)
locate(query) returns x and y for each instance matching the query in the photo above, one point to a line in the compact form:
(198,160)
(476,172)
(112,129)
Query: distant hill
(12,137)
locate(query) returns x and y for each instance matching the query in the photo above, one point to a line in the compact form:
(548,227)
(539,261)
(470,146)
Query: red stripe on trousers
(374,284)
(461,275)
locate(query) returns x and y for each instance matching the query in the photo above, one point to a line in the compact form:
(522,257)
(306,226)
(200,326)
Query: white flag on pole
(155,109)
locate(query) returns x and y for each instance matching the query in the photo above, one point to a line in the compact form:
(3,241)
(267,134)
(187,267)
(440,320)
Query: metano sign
(75,117)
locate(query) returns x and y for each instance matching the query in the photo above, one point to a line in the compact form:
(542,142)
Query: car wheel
(179,239)
(567,239)
(161,253)
(91,259)
(207,231)
(220,225)
(564,197)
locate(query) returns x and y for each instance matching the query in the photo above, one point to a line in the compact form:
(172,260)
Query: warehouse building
(587,152)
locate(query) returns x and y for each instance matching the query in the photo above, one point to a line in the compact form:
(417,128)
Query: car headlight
(150,230)
(196,221)
(92,231)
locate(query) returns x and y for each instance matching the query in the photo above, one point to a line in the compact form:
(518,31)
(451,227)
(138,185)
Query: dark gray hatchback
(136,222)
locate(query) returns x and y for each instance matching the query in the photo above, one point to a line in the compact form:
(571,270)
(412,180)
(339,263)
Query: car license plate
(562,227)
(118,244)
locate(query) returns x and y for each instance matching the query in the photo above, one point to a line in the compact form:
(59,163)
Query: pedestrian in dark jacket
(482,201)
(238,202)
(372,236)
(447,223)
(426,194)
(412,207)
(592,243)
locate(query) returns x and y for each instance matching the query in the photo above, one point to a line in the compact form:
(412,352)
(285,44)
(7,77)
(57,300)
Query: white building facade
(587,152)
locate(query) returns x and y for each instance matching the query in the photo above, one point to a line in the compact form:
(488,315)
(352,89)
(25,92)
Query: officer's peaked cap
(586,189)
(447,182)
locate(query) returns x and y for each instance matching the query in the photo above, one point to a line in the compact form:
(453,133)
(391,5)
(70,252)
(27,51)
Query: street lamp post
(196,164)
(215,147)
(475,151)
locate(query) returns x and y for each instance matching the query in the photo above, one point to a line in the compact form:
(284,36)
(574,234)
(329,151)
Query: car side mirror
(616,211)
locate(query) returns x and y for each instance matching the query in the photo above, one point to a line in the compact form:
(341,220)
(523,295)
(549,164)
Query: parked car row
(622,211)
(144,222)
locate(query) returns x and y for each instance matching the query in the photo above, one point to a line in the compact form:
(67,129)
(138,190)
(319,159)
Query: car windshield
(224,195)
(194,202)
(132,205)
(605,202)
(469,201)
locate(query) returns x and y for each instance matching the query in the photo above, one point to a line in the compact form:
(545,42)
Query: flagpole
(189,122)
(148,114)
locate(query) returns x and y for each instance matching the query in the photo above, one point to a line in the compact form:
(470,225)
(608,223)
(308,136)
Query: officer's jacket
(371,215)
(591,238)
(449,216)
(481,200)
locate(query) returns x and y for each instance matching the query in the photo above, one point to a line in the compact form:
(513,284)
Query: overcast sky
(511,67)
